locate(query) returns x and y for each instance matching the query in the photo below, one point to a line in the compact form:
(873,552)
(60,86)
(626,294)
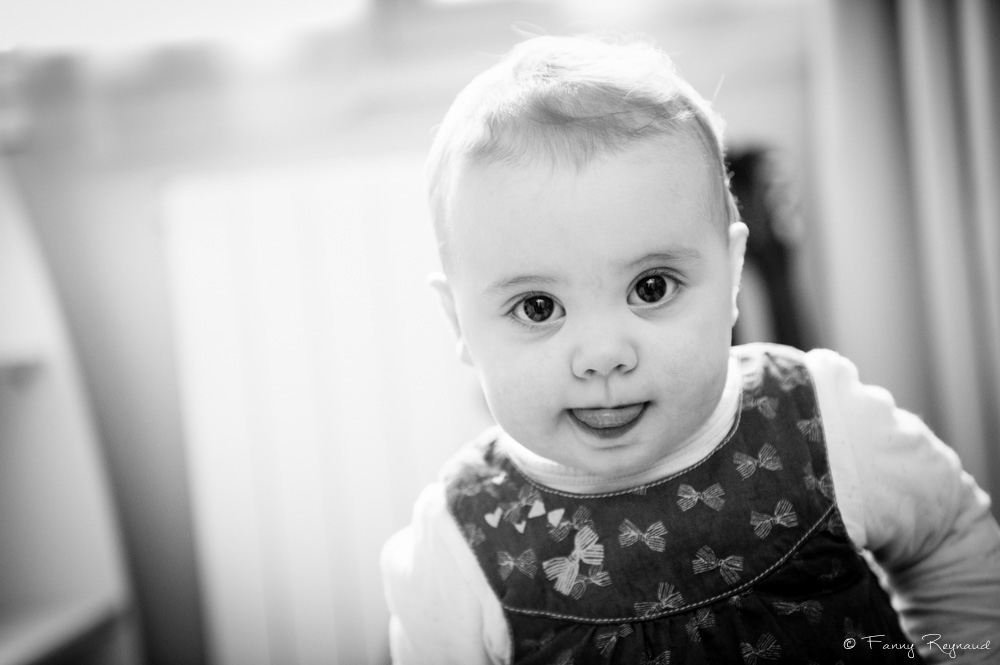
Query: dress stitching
(690,606)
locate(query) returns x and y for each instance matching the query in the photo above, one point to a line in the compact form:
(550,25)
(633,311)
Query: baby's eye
(536,309)
(652,289)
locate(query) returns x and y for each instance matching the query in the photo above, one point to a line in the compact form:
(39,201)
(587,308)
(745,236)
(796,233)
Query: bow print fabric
(784,516)
(728,567)
(564,658)
(767,459)
(473,534)
(702,619)
(565,570)
(767,406)
(662,659)
(526,563)
(824,483)
(597,576)
(667,598)
(629,534)
(527,496)
(767,649)
(540,642)
(606,642)
(811,609)
(711,497)
(559,528)
(811,428)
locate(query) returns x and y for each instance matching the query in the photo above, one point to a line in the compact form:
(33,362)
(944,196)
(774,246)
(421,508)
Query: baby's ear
(440,284)
(738,233)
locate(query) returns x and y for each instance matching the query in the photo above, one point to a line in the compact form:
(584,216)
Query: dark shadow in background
(764,203)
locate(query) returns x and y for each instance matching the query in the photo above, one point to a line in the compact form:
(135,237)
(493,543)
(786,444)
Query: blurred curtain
(950,63)
(907,101)
(320,394)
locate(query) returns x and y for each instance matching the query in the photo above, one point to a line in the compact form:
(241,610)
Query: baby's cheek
(689,368)
(501,383)
(673,355)
(523,391)
(520,383)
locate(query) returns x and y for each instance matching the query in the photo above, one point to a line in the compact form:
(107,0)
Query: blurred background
(223,380)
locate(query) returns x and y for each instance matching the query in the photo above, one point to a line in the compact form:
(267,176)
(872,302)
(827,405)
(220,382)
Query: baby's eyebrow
(675,255)
(507,283)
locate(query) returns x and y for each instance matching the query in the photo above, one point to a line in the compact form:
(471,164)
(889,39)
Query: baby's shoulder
(767,349)
(823,365)
(471,456)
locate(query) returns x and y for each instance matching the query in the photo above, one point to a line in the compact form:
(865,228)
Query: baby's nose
(602,352)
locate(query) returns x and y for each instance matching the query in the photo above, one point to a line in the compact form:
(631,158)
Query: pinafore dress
(742,558)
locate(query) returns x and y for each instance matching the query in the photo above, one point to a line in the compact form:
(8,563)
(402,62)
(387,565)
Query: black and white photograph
(499,332)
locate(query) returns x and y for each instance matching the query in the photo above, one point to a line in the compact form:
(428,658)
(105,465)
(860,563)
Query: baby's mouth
(609,422)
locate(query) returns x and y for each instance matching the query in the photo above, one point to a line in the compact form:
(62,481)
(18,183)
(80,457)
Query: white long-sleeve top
(901,492)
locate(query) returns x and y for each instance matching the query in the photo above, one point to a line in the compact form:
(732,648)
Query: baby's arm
(435,589)
(905,498)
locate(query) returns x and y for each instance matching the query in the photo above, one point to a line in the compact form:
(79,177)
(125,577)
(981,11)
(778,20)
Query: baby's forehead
(478,178)
(491,199)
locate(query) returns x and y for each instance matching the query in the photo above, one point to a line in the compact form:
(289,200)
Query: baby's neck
(694,449)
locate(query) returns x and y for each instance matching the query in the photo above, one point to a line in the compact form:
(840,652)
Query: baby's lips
(609,417)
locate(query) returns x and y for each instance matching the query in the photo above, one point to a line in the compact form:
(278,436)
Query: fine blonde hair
(568,100)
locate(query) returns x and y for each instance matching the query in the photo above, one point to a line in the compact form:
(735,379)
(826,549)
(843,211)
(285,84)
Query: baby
(652,494)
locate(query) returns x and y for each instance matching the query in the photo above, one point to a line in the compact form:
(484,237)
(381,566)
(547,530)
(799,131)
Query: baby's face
(596,306)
